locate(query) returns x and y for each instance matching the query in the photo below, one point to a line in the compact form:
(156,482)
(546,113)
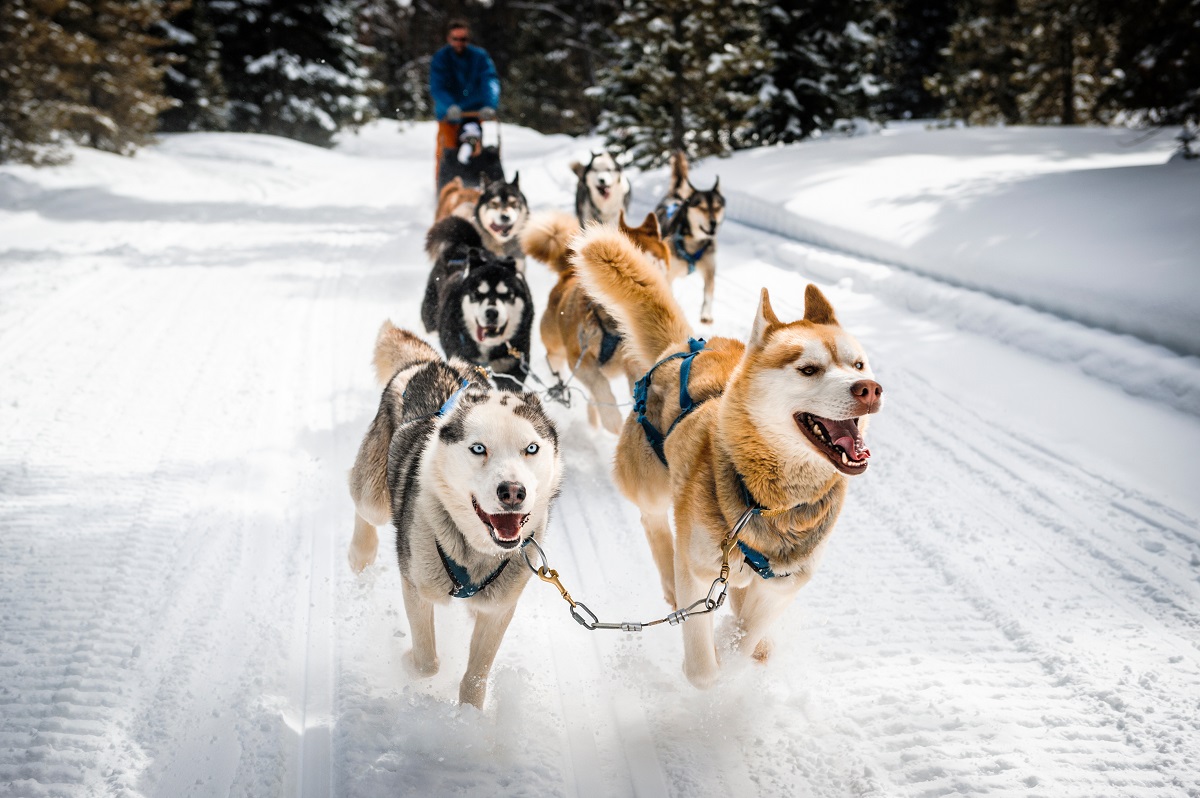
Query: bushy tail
(634,291)
(680,186)
(396,348)
(547,237)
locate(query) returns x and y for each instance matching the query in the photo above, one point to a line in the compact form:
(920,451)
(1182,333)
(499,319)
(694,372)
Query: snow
(1009,605)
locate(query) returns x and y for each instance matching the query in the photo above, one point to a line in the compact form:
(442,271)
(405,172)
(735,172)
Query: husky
(603,190)
(499,213)
(456,199)
(466,474)
(581,338)
(766,432)
(689,220)
(477,303)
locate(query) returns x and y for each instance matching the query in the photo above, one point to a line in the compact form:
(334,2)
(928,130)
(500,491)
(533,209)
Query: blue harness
(641,389)
(460,578)
(609,341)
(691,258)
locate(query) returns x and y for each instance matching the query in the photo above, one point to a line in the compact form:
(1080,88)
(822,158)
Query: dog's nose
(491,314)
(510,494)
(869,395)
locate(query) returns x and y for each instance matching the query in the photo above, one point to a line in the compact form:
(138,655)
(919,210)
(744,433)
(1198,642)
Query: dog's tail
(547,237)
(450,231)
(634,291)
(680,184)
(396,348)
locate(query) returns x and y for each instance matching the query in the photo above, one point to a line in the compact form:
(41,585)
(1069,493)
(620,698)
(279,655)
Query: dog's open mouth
(500,230)
(505,528)
(604,191)
(482,332)
(840,441)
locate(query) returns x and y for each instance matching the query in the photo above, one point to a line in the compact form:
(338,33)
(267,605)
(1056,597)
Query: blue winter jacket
(468,81)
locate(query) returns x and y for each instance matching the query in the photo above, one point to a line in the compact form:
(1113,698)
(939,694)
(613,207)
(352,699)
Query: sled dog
(477,303)
(455,199)
(580,337)
(689,219)
(466,474)
(603,190)
(773,427)
(499,214)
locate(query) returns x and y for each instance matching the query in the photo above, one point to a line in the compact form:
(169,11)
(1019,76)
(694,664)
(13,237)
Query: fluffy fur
(580,337)
(603,191)
(455,199)
(477,303)
(689,219)
(476,482)
(783,414)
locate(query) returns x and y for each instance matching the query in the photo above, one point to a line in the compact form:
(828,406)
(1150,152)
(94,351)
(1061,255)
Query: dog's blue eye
(808,371)
(860,365)
(478,448)
(531,449)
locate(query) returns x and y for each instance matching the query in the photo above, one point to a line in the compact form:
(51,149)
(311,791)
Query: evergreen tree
(85,71)
(1158,54)
(826,59)
(293,67)
(194,78)
(919,32)
(393,29)
(977,81)
(682,78)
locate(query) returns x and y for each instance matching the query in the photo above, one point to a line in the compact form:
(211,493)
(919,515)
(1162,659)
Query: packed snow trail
(1010,604)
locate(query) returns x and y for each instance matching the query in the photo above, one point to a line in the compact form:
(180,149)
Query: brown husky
(772,427)
(455,199)
(580,337)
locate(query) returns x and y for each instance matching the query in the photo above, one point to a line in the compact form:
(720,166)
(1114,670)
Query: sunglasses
(460,38)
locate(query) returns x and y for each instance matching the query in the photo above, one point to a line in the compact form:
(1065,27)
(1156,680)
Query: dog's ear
(764,320)
(578,169)
(716,189)
(650,226)
(516,179)
(484,181)
(622,225)
(816,307)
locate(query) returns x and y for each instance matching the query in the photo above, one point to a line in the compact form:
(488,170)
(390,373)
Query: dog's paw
(420,669)
(703,676)
(360,558)
(472,691)
(706,318)
(762,651)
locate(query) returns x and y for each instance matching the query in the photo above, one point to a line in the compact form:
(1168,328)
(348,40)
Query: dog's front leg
(708,268)
(699,648)
(485,642)
(756,609)
(657,524)
(422,660)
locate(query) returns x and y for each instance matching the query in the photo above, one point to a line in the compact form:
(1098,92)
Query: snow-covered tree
(85,71)
(917,33)
(194,78)
(293,67)
(1158,53)
(682,77)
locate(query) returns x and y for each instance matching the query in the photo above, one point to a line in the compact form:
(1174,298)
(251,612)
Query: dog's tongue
(845,435)
(507,525)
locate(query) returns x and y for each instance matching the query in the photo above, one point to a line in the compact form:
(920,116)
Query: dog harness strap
(609,341)
(692,258)
(449,404)
(463,587)
(757,561)
(641,390)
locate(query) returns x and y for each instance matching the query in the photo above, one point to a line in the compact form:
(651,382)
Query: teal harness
(691,258)
(641,389)
(460,578)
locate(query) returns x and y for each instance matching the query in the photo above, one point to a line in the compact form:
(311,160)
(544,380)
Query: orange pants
(447,138)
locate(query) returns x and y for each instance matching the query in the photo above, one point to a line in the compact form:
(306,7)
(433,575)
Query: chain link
(588,619)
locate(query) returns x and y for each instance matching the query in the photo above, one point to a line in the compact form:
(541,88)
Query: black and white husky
(477,303)
(466,474)
(603,190)
(499,215)
(689,219)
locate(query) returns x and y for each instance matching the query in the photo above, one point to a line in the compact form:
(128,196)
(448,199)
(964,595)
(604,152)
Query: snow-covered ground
(1010,605)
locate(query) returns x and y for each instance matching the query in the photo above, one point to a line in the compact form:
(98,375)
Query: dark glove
(487,113)
(453,114)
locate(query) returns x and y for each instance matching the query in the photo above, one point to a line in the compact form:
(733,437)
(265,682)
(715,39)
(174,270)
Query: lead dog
(499,212)
(603,191)
(466,474)
(689,219)
(773,427)
(580,337)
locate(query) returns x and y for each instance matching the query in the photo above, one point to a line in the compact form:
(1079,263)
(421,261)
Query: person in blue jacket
(462,78)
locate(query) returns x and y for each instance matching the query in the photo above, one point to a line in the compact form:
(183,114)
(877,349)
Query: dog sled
(469,149)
